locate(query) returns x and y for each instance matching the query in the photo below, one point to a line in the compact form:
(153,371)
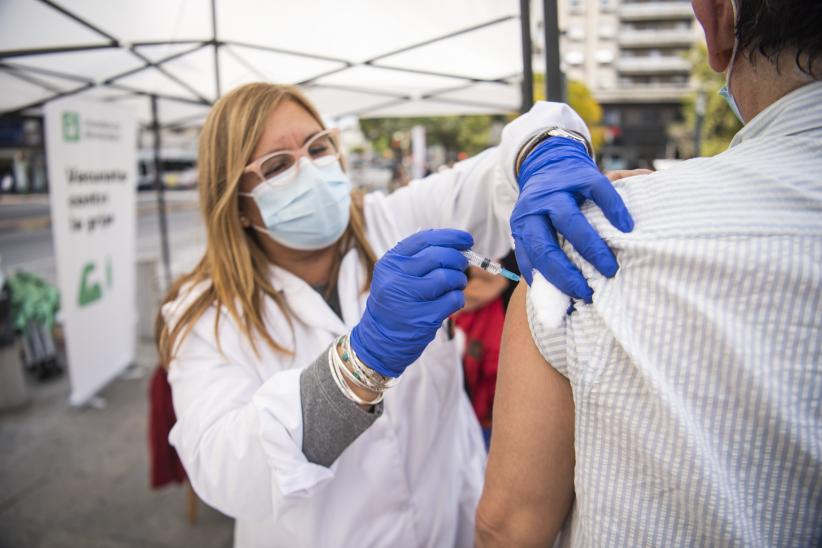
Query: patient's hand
(618,174)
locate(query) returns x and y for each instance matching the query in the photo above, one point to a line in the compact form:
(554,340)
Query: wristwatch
(547,134)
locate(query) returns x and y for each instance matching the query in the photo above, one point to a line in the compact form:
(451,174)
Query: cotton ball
(550,304)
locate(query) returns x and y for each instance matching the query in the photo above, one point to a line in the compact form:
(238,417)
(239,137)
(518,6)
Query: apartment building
(632,54)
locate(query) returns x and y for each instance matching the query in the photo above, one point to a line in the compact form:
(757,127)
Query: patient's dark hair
(771,26)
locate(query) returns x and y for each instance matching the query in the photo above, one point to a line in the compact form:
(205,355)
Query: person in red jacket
(481,323)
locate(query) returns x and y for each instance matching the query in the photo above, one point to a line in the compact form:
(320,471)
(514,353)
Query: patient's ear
(717,19)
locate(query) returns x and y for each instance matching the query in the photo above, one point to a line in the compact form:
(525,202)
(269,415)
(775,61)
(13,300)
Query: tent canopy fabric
(368,58)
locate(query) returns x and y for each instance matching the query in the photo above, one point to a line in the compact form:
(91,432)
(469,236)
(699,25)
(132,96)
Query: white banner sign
(92,161)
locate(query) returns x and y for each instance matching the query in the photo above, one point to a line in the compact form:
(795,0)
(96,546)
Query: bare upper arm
(529,482)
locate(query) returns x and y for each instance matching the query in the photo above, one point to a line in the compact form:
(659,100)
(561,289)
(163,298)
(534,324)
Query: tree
(719,125)
(468,134)
(472,134)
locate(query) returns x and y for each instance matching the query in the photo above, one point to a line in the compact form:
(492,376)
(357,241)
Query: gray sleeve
(331,422)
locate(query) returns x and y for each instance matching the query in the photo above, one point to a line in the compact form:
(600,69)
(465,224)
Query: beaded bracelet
(379,381)
(357,378)
(352,372)
(336,367)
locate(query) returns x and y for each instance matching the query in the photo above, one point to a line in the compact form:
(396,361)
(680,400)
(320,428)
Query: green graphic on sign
(71,127)
(89,293)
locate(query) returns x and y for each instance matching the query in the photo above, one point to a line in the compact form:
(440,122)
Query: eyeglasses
(282,166)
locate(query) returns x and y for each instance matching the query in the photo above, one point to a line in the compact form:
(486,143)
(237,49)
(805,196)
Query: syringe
(488,265)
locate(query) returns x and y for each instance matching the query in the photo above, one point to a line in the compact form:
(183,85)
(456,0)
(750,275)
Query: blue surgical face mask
(309,212)
(725,91)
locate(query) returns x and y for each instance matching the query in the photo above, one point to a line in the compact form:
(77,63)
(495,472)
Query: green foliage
(32,300)
(472,134)
(720,124)
(469,134)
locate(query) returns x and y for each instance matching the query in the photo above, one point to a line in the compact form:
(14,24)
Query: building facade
(632,54)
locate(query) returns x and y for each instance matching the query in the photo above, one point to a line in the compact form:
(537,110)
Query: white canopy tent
(367,58)
(171,59)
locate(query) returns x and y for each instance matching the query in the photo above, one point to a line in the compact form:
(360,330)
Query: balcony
(650,11)
(658,38)
(644,93)
(652,65)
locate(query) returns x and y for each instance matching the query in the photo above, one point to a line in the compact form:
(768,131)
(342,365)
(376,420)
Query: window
(574,57)
(576,32)
(612,117)
(604,56)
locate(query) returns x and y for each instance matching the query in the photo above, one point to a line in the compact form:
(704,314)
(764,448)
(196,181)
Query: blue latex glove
(416,286)
(554,180)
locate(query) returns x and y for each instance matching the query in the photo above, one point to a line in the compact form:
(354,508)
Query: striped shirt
(697,371)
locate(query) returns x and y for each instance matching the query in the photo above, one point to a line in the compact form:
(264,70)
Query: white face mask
(310,212)
(725,91)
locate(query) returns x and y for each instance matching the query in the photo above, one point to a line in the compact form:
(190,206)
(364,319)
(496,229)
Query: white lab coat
(414,477)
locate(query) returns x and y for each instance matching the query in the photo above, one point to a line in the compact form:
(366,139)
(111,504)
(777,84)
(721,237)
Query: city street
(26,237)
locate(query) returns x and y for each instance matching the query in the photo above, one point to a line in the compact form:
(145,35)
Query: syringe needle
(488,265)
(508,274)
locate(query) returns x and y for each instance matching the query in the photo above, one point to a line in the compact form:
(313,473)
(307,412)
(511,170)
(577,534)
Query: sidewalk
(79,477)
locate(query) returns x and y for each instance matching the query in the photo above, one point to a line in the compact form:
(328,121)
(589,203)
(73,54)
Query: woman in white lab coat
(270,430)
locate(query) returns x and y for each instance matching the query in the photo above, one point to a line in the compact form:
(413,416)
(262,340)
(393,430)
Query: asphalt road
(26,239)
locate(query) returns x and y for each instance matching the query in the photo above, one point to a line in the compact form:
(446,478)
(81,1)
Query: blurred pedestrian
(480,326)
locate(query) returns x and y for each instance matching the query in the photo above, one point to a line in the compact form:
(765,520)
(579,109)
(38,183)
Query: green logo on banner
(92,291)
(71,126)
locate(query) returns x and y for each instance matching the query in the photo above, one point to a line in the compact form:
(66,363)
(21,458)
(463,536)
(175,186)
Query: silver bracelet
(350,370)
(359,376)
(355,377)
(336,365)
(555,131)
(381,382)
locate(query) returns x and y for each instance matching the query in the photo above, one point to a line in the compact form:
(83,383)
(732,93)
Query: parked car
(179,168)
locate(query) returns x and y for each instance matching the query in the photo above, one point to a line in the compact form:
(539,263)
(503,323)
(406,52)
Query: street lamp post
(554,81)
(527,69)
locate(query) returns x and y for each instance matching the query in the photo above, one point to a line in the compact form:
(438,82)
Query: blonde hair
(234,267)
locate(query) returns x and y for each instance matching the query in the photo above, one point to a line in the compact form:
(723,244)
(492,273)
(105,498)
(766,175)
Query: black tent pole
(159,186)
(554,82)
(527,69)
